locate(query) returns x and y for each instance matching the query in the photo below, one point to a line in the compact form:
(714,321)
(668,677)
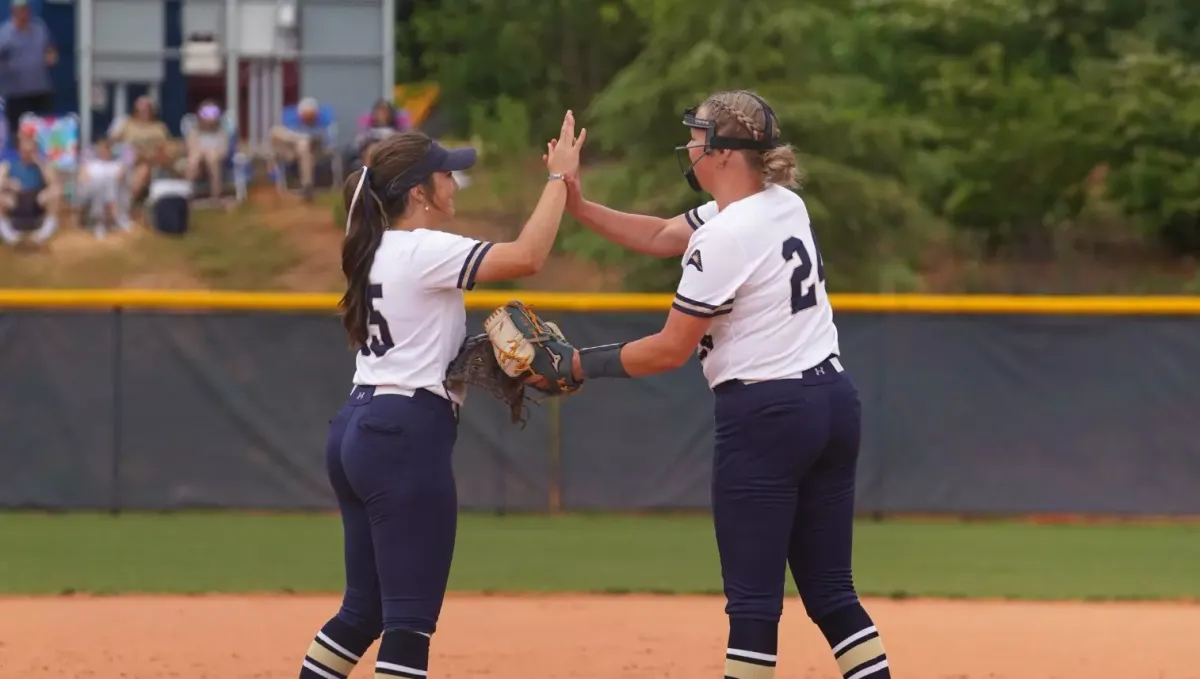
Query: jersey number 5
(804,283)
(706,345)
(381,343)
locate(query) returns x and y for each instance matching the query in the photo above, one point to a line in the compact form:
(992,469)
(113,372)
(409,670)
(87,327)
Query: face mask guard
(716,142)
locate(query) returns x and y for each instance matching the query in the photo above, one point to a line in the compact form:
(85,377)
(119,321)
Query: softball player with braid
(389,447)
(752,303)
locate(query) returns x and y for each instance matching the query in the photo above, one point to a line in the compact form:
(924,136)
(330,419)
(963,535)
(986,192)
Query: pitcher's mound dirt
(557,637)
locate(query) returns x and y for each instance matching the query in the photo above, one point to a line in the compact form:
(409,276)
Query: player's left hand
(562,155)
(532,350)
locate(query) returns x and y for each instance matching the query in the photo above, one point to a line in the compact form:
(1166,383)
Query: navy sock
(335,651)
(403,654)
(856,643)
(753,648)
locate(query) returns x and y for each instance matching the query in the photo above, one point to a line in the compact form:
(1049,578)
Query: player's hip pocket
(424,419)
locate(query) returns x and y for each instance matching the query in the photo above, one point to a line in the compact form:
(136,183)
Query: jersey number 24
(804,282)
(382,343)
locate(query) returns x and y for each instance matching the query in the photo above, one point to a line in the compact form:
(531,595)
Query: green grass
(234,250)
(192,553)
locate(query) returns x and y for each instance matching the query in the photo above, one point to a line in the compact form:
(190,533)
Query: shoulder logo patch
(694,260)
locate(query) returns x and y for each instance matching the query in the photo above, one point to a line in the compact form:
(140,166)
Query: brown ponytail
(381,199)
(358,254)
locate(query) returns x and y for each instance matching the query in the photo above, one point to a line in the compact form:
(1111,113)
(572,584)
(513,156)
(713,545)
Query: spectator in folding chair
(305,136)
(98,190)
(208,141)
(57,141)
(383,121)
(29,197)
(143,133)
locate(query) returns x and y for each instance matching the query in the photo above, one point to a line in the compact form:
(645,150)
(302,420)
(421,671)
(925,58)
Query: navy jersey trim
(692,307)
(693,218)
(470,267)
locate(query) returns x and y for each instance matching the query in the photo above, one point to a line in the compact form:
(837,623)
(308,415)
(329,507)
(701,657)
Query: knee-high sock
(403,654)
(335,651)
(856,643)
(752,649)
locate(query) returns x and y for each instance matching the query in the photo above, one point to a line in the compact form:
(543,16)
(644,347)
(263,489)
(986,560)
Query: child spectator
(99,185)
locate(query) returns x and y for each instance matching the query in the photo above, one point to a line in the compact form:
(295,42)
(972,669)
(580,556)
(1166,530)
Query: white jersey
(755,269)
(418,320)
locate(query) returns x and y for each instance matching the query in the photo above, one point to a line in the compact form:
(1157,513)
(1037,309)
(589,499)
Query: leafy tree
(917,121)
(549,54)
(859,153)
(1153,100)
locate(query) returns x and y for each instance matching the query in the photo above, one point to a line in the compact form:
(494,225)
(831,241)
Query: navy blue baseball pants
(783,491)
(388,458)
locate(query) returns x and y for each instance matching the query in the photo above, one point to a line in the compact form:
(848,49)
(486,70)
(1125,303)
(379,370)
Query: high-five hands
(563,158)
(571,177)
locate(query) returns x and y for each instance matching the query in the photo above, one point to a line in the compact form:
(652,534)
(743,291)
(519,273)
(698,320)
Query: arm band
(602,361)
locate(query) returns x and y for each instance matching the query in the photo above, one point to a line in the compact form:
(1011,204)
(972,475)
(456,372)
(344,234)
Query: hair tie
(362,180)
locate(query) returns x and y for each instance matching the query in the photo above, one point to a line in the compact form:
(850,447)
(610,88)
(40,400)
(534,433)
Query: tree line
(993,127)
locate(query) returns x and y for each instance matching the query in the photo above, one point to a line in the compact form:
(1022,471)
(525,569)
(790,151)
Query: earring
(427,208)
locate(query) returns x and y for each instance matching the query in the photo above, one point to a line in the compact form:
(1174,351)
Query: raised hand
(562,155)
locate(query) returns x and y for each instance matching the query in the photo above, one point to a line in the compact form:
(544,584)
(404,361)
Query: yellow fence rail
(205,300)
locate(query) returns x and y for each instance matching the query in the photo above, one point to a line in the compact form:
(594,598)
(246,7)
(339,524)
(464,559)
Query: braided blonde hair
(738,114)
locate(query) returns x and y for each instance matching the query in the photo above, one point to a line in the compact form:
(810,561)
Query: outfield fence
(167,400)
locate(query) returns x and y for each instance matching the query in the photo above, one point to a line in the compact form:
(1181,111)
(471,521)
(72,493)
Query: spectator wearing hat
(27,51)
(208,147)
(301,142)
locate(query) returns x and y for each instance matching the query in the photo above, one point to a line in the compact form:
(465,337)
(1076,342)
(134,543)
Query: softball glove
(531,350)
(476,364)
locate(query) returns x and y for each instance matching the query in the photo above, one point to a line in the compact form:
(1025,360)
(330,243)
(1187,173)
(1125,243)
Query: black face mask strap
(716,142)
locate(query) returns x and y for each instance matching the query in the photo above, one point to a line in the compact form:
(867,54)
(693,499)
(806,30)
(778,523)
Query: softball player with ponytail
(389,447)
(752,303)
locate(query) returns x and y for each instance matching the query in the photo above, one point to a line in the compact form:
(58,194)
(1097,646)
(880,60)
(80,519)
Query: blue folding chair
(328,158)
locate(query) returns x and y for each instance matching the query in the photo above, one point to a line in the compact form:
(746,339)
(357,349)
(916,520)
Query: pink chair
(403,121)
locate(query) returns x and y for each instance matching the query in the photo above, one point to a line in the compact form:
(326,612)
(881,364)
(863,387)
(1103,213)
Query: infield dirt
(559,636)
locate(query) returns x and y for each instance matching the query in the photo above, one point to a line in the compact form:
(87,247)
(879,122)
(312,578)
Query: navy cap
(453,160)
(437,159)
